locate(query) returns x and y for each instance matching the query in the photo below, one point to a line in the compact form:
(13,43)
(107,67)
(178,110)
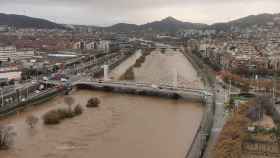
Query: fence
(261,148)
(36,100)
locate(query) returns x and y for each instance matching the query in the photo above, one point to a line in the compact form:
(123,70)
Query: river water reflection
(125,126)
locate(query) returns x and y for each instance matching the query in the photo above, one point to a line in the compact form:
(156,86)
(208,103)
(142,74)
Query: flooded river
(162,68)
(125,126)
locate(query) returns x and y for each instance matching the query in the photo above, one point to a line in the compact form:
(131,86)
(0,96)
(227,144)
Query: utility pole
(175,78)
(229,90)
(274,87)
(2,97)
(257,81)
(106,72)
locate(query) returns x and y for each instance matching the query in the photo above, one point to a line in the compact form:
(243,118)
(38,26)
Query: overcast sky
(108,12)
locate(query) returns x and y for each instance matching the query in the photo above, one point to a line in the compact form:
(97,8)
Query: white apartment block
(10,53)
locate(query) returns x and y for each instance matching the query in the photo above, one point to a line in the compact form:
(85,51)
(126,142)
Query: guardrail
(33,99)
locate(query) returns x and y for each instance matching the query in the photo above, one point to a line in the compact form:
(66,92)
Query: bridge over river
(145,89)
(124,126)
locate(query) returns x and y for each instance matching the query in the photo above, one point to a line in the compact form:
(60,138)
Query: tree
(6,136)
(31,121)
(277,133)
(78,110)
(93,102)
(12,82)
(55,68)
(69,101)
(245,87)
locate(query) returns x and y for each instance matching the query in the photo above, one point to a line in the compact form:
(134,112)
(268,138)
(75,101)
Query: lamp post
(2,98)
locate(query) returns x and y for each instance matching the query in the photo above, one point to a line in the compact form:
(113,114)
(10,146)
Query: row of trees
(129,74)
(246,84)
(229,144)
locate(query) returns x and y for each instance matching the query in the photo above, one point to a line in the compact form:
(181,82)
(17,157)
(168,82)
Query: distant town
(227,73)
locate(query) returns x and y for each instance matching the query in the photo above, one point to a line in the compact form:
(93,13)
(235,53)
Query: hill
(167,25)
(21,21)
(171,25)
(249,21)
(122,27)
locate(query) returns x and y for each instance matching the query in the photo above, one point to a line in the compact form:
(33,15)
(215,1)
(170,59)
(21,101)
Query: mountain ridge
(22,21)
(168,24)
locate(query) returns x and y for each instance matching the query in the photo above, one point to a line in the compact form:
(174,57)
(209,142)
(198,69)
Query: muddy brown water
(125,126)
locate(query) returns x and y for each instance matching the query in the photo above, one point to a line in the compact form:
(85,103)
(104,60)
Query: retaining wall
(37,100)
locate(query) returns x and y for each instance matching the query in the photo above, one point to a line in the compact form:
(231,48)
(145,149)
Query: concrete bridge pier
(175,78)
(106,72)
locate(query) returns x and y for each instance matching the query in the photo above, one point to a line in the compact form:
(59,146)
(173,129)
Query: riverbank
(201,140)
(46,95)
(167,126)
(33,101)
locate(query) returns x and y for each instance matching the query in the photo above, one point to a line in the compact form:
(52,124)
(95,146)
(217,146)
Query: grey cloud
(136,11)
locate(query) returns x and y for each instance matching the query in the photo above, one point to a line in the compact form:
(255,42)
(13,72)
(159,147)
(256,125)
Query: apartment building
(8,53)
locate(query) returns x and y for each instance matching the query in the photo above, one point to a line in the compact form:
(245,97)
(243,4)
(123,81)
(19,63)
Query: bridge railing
(202,92)
(146,84)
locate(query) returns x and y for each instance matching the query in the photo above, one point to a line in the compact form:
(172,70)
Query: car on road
(208,94)
(63,80)
(100,81)
(33,81)
(45,78)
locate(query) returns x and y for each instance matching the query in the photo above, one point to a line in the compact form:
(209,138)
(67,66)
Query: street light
(2,98)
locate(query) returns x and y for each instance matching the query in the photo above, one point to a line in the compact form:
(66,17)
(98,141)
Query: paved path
(219,120)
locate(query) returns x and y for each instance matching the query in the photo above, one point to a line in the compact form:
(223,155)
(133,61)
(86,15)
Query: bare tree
(69,101)
(6,136)
(31,121)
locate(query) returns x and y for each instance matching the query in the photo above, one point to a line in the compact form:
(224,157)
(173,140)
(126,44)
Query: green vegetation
(246,84)
(139,61)
(31,121)
(69,101)
(6,137)
(93,103)
(78,110)
(234,133)
(56,116)
(261,132)
(128,75)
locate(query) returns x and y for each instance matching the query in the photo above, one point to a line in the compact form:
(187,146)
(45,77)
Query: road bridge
(144,89)
(165,48)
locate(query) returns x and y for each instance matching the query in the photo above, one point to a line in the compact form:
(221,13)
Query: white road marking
(216,129)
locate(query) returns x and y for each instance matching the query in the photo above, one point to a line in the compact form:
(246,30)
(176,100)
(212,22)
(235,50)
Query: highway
(29,90)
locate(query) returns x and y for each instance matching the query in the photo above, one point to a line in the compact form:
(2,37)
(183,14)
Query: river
(125,126)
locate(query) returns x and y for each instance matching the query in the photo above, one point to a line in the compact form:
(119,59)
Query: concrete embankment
(36,100)
(200,141)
